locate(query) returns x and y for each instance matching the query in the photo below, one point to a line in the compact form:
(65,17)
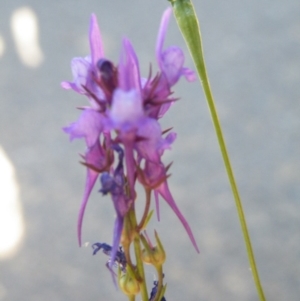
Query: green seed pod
(129,285)
(159,253)
(153,255)
(146,256)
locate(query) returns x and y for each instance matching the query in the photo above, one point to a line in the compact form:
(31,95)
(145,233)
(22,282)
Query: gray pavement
(253,58)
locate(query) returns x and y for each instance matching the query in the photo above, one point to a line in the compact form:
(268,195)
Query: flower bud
(129,285)
(153,255)
(146,257)
(159,256)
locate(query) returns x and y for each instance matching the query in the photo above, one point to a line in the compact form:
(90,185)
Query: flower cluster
(124,139)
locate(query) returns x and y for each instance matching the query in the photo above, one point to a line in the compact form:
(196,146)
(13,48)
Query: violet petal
(164,191)
(129,72)
(162,34)
(90,182)
(95,40)
(88,126)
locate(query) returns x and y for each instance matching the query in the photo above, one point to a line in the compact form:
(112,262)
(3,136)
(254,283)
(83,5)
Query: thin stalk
(127,241)
(138,256)
(189,26)
(160,282)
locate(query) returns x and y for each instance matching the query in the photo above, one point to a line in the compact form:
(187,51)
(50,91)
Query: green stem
(127,241)
(138,256)
(189,26)
(160,282)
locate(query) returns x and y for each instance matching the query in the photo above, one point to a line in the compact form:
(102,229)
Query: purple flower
(115,185)
(123,120)
(171,60)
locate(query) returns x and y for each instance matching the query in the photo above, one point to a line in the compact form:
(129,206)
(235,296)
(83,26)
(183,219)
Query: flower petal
(167,142)
(129,72)
(164,191)
(118,227)
(148,147)
(95,41)
(172,60)
(90,182)
(189,74)
(80,67)
(88,126)
(126,111)
(162,34)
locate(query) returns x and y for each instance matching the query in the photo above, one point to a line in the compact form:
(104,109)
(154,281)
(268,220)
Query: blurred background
(252,51)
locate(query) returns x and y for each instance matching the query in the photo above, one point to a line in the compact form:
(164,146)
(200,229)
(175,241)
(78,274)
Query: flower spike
(124,139)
